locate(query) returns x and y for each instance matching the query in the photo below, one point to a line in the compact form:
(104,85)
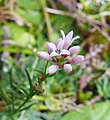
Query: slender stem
(47,20)
(27,99)
(11,85)
(11,78)
(12,102)
(29,79)
(46,67)
(38,71)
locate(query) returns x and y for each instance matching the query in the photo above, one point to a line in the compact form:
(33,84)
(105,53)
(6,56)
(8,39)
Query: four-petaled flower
(60,51)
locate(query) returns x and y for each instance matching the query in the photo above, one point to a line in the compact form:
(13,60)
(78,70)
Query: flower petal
(62,33)
(54,54)
(67,67)
(60,45)
(44,55)
(77,59)
(67,42)
(74,49)
(50,47)
(60,39)
(76,37)
(65,52)
(52,69)
(70,34)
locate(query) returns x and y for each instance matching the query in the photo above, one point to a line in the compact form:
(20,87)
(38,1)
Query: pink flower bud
(44,55)
(67,68)
(52,69)
(77,59)
(74,49)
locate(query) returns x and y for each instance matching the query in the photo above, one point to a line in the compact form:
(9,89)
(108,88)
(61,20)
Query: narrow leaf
(30,81)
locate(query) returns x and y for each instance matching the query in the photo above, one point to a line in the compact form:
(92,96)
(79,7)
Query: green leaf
(50,75)
(103,87)
(20,36)
(29,4)
(98,111)
(30,81)
(31,16)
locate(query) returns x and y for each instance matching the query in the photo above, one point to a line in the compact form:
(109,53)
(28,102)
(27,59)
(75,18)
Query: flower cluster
(59,53)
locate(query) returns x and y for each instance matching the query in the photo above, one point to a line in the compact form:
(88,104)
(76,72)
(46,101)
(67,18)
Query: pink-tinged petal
(60,39)
(52,69)
(74,49)
(60,45)
(53,54)
(65,52)
(77,59)
(75,38)
(70,34)
(62,33)
(67,42)
(44,55)
(50,47)
(67,67)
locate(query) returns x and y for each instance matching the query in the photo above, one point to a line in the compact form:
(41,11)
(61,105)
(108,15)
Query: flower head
(59,51)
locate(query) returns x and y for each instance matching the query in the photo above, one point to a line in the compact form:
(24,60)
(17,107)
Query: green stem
(46,67)
(38,71)
(29,79)
(27,99)
(12,102)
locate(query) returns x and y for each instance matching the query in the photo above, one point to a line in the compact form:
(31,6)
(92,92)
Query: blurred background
(25,26)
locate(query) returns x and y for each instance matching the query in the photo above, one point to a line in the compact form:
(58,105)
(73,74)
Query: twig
(47,20)
(67,107)
(81,17)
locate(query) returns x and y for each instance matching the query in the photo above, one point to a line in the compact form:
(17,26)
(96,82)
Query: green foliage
(31,16)
(21,37)
(103,87)
(29,29)
(83,96)
(30,4)
(98,111)
(60,80)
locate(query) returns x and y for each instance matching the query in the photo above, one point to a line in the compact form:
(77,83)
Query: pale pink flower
(61,46)
(61,49)
(57,50)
